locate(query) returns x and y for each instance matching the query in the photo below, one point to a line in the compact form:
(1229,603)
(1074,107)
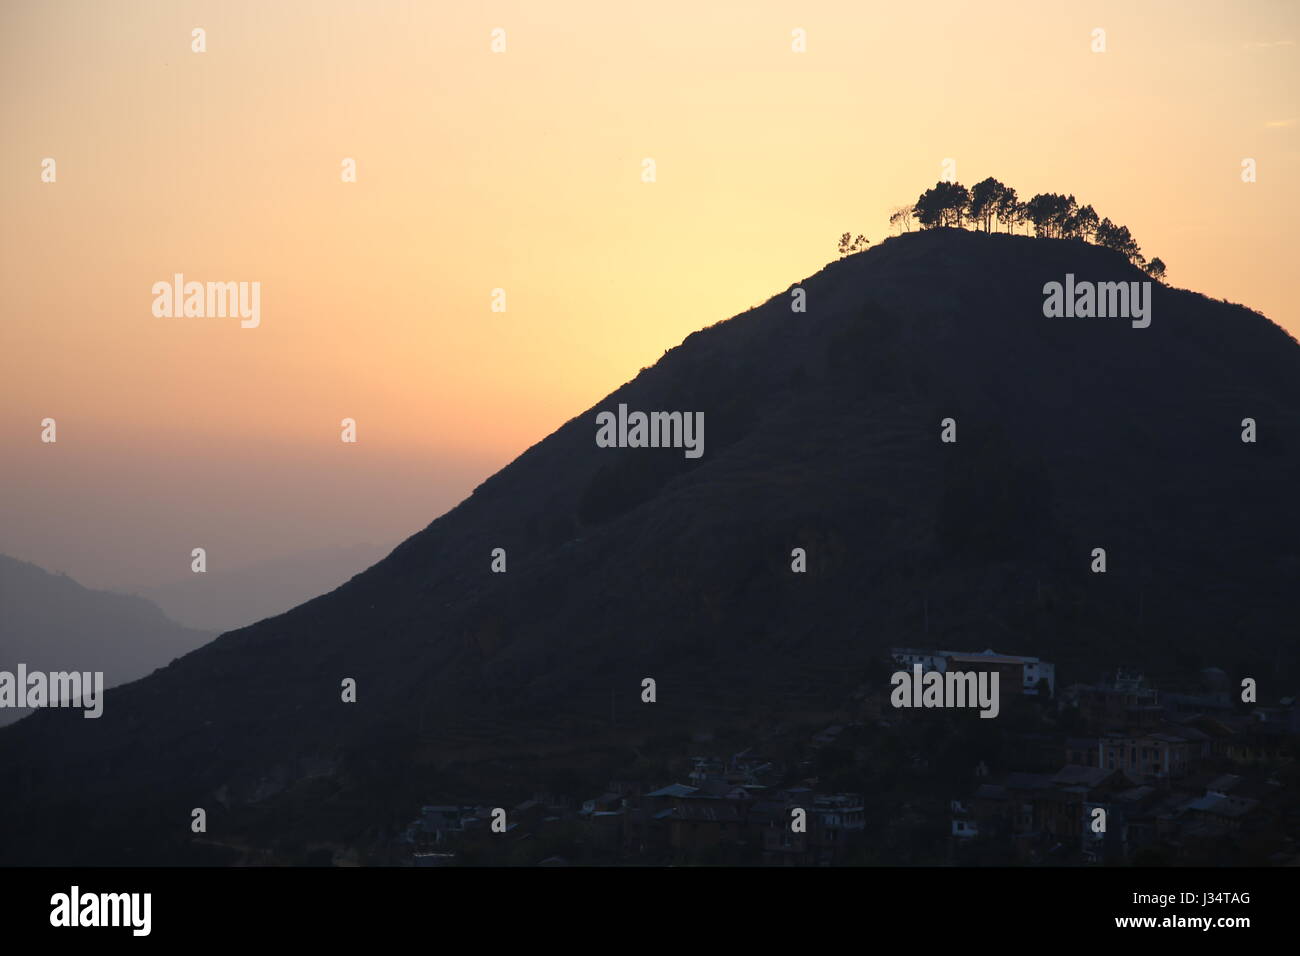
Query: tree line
(990,206)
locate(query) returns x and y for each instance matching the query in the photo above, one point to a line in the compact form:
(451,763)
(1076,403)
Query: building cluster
(1145,769)
(728,809)
(1111,772)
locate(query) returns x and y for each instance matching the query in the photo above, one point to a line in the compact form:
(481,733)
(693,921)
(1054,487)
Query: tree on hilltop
(944,205)
(1011,211)
(1111,236)
(1053,216)
(1085,223)
(984,197)
(901,217)
(850,244)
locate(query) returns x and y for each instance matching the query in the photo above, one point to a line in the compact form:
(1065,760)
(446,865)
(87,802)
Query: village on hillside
(1119,771)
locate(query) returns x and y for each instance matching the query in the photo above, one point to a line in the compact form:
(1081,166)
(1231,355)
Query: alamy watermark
(651,430)
(934,688)
(1124,300)
(198,300)
(55,689)
(75,908)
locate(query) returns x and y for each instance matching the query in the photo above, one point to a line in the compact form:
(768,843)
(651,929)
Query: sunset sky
(522,170)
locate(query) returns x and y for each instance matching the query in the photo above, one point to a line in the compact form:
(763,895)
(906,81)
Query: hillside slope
(822,432)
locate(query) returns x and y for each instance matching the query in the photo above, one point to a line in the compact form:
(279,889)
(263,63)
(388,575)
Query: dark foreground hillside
(823,433)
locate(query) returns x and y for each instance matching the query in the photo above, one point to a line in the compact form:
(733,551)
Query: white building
(1035,669)
(929,660)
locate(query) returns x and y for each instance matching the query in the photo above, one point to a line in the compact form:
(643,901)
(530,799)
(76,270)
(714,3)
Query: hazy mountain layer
(221,600)
(51,623)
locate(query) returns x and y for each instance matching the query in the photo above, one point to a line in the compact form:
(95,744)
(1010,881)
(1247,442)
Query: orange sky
(521,170)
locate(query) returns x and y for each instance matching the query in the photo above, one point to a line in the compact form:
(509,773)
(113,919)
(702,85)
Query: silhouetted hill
(822,432)
(51,623)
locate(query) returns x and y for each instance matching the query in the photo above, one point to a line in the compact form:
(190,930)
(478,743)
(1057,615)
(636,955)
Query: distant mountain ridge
(50,622)
(222,599)
(822,433)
